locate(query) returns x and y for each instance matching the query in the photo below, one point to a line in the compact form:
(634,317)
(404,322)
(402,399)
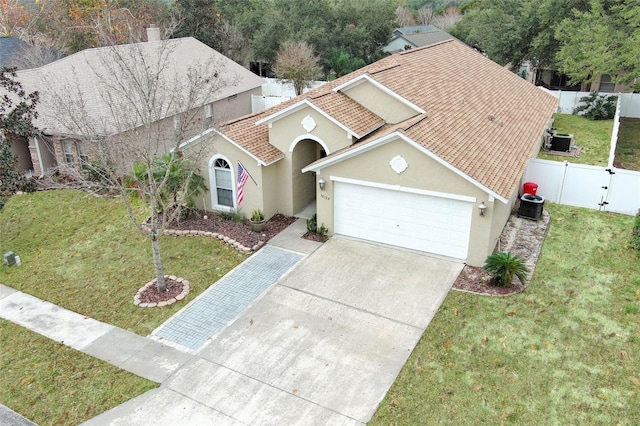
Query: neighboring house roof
(481,119)
(413,29)
(85,77)
(10,47)
(428,35)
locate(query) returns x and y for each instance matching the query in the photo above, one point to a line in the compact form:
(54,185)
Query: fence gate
(581,185)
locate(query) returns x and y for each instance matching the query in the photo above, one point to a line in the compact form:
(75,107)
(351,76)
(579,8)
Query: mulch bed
(238,231)
(150,294)
(520,236)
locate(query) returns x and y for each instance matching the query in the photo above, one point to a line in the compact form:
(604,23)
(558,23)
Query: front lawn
(628,146)
(593,136)
(51,384)
(84,254)
(565,351)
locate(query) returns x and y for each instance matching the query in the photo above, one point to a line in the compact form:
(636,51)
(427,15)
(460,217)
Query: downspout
(37,143)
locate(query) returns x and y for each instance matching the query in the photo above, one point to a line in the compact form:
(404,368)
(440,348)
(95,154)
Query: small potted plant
(257,220)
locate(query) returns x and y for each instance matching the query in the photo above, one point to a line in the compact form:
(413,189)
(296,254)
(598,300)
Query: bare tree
(297,65)
(446,19)
(404,17)
(425,15)
(141,108)
(36,56)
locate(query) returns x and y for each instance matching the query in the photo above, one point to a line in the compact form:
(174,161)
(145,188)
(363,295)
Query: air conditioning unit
(531,207)
(561,142)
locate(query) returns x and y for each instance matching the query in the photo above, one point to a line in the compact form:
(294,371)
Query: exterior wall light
(321,183)
(482,207)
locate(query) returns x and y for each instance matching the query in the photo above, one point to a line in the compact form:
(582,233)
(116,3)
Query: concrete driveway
(322,346)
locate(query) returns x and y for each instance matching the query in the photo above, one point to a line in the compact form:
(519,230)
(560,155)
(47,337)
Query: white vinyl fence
(568,101)
(595,187)
(275,92)
(580,185)
(630,105)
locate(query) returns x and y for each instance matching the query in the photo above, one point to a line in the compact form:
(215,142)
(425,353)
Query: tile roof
(480,117)
(86,77)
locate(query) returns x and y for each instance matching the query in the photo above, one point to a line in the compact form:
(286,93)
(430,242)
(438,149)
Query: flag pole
(245,169)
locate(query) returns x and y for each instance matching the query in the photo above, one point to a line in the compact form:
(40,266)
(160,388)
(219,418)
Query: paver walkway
(219,305)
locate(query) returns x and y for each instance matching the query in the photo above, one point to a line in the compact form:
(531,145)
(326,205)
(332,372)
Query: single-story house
(424,149)
(83,84)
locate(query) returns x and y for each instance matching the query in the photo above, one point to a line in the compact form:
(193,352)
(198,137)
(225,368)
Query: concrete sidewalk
(128,351)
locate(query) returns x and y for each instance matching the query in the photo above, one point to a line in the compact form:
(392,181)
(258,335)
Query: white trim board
(404,189)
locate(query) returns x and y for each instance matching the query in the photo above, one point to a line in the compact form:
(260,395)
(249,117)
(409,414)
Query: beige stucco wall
(216,145)
(384,105)
(286,130)
(294,188)
(423,173)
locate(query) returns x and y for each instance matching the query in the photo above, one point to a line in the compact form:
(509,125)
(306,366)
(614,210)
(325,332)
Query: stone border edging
(185,290)
(235,244)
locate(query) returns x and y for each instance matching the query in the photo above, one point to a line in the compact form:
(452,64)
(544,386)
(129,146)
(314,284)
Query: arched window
(221,178)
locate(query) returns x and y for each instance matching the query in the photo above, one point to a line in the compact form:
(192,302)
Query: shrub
(232,216)
(597,107)
(635,232)
(312,224)
(504,267)
(29,185)
(98,173)
(322,230)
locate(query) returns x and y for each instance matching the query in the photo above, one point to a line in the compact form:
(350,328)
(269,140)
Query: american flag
(242,179)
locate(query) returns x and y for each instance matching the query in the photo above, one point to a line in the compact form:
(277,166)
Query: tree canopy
(343,34)
(603,40)
(581,38)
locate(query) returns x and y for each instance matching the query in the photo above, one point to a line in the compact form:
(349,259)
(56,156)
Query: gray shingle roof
(89,76)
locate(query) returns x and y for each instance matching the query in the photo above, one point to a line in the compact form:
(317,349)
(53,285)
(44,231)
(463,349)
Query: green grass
(628,146)
(52,384)
(593,136)
(565,351)
(84,254)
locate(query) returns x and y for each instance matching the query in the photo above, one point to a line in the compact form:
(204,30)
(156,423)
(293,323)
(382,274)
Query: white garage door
(434,224)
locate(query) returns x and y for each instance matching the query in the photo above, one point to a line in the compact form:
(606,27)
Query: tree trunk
(157,264)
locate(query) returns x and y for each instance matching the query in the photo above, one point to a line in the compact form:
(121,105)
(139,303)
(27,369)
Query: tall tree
(74,25)
(515,31)
(603,40)
(17,112)
(296,64)
(214,22)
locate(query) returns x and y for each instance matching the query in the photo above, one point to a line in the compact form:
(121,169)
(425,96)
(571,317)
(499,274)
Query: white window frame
(82,154)
(67,152)
(606,84)
(213,188)
(208,111)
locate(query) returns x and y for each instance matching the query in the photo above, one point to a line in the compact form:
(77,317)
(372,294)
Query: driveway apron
(322,346)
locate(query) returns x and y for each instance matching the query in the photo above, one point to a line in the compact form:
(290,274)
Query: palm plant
(504,267)
(174,174)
